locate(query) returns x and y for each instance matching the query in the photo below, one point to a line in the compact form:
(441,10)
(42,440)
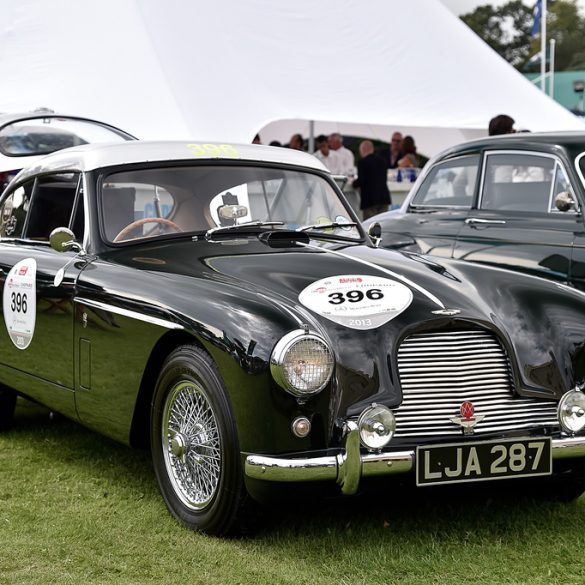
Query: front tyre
(195,446)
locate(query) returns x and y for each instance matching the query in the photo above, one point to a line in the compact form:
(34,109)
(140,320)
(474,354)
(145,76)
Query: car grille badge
(467,420)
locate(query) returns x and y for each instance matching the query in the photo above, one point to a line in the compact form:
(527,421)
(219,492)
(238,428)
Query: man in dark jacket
(371,181)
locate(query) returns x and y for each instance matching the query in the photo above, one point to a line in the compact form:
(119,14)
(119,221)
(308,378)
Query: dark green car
(512,201)
(220,305)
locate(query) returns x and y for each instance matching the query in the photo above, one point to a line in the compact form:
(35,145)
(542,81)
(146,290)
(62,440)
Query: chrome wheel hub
(191,445)
(178,446)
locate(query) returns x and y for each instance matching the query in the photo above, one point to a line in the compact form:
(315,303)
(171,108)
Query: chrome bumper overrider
(349,466)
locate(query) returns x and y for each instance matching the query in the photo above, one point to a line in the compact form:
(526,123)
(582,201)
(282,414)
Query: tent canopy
(226,70)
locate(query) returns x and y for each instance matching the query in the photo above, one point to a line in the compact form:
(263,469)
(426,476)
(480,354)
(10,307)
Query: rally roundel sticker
(19,302)
(357,301)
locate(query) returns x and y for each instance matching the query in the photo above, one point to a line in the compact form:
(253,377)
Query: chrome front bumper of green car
(349,466)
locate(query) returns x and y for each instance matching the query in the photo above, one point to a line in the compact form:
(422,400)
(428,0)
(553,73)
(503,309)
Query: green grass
(78,508)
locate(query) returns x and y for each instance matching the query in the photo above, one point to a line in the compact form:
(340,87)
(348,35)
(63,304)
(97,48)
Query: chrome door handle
(479,220)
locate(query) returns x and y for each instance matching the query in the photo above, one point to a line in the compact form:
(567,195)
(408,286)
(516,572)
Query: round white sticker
(357,301)
(19,302)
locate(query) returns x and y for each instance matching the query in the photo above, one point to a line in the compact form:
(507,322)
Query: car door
(437,210)
(516,224)
(38,286)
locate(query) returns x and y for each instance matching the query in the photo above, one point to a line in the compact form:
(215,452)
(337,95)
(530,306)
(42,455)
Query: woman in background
(410,157)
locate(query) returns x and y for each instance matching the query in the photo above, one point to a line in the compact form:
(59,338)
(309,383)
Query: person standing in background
(327,156)
(410,157)
(371,181)
(501,124)
(347,160)
(393,153)
(347,168)
(296,142)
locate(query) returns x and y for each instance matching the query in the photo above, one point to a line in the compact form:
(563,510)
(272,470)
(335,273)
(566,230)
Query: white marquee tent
(204,70)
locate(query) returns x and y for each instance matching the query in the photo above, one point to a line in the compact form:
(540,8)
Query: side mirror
(564,201)
(375,233)
(62,239)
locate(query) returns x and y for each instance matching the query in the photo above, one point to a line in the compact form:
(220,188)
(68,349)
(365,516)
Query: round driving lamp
(572,411)
(302,363)
(376,426)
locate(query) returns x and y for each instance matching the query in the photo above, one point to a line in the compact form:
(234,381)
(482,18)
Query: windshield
(146,203)
(39,136)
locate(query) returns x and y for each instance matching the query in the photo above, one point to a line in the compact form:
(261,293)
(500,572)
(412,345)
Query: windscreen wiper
(247,227)
(323,226)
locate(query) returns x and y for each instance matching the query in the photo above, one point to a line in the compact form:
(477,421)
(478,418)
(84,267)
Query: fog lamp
(572,411)
(302,363)
(376,425)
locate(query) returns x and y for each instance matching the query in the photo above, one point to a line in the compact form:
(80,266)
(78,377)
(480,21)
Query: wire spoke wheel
(191,445)
(195,447)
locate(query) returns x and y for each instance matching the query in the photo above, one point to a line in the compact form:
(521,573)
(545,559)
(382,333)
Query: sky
(464,6)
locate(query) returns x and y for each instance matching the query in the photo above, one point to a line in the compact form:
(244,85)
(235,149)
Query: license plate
(481,461)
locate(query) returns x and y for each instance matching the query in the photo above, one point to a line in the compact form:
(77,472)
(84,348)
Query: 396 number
(355,296)
(213,150)
(18,303)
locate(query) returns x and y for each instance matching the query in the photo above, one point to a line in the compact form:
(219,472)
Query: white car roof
(94,156)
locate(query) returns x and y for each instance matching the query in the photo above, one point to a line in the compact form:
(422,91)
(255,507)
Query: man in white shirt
(327,156)
(347,168)
(345,155)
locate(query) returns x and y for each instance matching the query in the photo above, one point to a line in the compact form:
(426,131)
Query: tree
(567,27)
(507,29)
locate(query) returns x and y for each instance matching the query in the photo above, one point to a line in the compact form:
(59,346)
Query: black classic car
(26,137)
(221,305)
(513,201)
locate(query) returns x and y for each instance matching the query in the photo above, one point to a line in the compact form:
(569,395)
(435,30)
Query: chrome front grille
(441,370)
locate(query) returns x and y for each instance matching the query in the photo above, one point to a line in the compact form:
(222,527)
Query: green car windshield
(146,203)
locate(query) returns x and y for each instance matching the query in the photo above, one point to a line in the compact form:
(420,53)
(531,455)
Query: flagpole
(551,69)
(543,46)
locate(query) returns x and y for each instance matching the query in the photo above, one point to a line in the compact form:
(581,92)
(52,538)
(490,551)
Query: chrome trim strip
(128,313)
(578,168)
(329,468)
(417,287)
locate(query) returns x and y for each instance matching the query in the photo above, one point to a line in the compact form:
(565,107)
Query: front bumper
(348,467)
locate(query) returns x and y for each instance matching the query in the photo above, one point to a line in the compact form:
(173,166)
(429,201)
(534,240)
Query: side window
(561,185)
(449,184)
(518,182)
(13,211)
(52,205)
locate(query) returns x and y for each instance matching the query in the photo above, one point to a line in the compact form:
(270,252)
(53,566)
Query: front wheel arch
(140,429)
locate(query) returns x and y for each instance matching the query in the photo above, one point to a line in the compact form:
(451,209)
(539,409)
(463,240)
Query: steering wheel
(132,226)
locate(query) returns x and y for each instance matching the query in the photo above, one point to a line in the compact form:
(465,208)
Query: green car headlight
(302,363)
(572,411)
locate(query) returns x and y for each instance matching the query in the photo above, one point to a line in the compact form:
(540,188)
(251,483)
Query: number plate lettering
(459,462)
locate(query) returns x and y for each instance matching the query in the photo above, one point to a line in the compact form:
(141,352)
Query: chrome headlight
(572,411)
(376,426)
(302,363)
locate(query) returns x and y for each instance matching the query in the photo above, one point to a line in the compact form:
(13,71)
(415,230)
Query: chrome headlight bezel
(563,413)
(279,355)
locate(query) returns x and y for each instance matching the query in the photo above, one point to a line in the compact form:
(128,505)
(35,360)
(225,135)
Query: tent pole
(311,136)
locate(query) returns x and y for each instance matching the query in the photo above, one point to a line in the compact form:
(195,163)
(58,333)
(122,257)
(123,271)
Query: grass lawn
(78,508)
